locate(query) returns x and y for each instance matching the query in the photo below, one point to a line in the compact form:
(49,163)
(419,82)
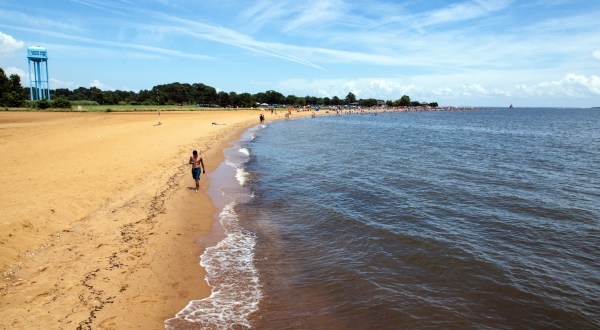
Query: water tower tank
(37,53)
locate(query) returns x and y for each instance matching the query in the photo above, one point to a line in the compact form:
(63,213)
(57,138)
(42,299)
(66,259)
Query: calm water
(464,219)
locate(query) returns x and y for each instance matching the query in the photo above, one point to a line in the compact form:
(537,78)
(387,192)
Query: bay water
(407,220)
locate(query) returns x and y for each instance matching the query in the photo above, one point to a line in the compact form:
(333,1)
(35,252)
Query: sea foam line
(231,273)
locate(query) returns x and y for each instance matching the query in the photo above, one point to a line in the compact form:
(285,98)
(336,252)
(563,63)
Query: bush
(42,104)
(61,102)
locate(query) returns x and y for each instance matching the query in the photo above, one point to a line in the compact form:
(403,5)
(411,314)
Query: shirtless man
(196,162)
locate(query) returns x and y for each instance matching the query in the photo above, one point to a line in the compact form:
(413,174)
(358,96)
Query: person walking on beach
(197,164)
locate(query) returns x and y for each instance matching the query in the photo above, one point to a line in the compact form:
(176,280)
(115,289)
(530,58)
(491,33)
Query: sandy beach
(99,220)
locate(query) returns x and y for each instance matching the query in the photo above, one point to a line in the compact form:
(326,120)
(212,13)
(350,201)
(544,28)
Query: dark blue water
(462,219)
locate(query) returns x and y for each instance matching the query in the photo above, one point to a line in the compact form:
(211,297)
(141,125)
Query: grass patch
(129,108)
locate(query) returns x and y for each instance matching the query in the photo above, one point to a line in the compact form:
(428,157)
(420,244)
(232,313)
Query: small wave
(231,273)
(245,151)
(240,173)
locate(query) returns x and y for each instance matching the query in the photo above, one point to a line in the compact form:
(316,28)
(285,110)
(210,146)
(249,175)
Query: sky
(457,53)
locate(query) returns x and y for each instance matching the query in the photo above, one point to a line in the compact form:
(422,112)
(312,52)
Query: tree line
(12,94)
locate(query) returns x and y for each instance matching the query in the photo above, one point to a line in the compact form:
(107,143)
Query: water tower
(38,82)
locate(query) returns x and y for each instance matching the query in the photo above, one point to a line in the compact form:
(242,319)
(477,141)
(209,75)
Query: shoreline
(105,243)
(104,231)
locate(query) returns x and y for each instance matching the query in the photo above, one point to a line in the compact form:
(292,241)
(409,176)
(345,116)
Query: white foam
(241,175)
(245,151)
(234,280)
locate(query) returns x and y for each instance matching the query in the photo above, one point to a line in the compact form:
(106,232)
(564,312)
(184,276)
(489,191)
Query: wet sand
(99,220)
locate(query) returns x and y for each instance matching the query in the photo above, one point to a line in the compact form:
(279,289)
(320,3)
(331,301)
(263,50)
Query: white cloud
(55,83)
(378,88)
(9,45)
(596,54)
(443,91)
(500,92)
(473,90)
(12,70)
(98,84)
(571,85)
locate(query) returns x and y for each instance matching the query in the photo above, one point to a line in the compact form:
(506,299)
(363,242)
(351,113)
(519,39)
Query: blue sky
(469,52)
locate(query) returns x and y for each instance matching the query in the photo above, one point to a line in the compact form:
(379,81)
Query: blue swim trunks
(196,173)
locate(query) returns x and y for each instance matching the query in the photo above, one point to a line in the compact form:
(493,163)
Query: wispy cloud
(112,7)
(227,36)
(462,11)
(315,14)
(263,13)
(112,44)
(19,18)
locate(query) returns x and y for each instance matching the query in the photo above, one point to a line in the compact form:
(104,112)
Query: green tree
(223,99)
(4,82)
(82,93)
(368,102)
(291,100)
(234,99)
(404,101)
(261,97)
(273,97)
(97,95)
(64,92)
(11,92)
(204,94)
(350,98)
(247,100)
(15,83)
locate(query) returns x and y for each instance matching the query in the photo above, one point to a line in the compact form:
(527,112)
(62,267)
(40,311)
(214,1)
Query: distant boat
(510,106)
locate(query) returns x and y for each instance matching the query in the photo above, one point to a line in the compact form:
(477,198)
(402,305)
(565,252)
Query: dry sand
(98,224)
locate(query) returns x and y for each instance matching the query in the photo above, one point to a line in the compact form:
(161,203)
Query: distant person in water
(197,165)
